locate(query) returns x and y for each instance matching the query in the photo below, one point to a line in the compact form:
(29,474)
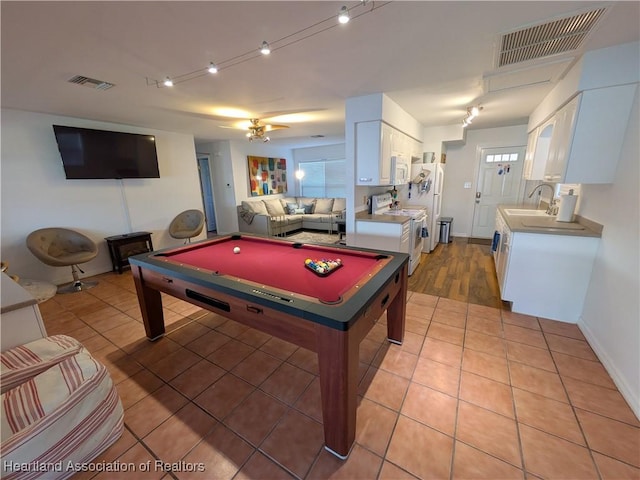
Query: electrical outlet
(467,184)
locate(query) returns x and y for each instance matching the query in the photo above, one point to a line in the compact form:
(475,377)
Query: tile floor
(474,392)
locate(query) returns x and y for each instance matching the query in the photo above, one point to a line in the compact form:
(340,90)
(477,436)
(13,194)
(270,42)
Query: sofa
(280,216)
(59,408)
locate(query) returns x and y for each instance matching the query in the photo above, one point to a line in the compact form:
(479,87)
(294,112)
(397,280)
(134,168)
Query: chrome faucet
(552,209)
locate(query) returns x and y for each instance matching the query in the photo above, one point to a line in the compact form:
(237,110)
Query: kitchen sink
(527,212)
(550,223)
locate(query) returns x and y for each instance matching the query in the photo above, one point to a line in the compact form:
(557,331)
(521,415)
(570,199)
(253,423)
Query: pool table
(266,285)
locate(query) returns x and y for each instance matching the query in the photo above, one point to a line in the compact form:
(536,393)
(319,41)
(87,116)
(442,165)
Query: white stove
(382,205)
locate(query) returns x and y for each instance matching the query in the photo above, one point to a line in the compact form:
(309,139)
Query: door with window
(498,183)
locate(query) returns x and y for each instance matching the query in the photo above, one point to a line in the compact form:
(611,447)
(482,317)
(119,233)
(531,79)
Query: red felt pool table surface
(279,264)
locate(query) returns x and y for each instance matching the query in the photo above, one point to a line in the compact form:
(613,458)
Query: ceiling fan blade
(270,128)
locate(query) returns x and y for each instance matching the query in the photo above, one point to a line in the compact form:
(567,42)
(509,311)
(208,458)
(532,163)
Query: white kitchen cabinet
(586,138)
(545,275)
(538,150)
(20,319)
(392,236)
(373,153)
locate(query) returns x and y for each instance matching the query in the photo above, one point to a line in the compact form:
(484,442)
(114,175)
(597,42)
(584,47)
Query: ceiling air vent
(91,82)
(544,40)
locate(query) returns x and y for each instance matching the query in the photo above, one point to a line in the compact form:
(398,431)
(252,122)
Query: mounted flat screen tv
(91,154)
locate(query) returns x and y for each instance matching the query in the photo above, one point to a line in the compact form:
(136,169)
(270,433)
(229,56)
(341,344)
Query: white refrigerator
(428,193)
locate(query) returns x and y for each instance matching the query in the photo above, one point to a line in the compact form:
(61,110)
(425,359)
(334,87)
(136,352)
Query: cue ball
(236,250)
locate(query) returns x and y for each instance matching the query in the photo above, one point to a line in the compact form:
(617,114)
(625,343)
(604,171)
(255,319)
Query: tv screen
(89,154)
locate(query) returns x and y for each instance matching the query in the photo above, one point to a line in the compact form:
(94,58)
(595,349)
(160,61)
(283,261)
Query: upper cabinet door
(373,153)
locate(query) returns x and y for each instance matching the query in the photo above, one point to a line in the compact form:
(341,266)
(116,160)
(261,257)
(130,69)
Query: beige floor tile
(135,388)
(374,426)
(221,454)
(537,381)
(485,365)
(532,356)
(484,311)
(524,335)
(394,360)
(487,393)
(310,402)
(423,299)
(488,326)
(224,395)
(547,415)
(306,360)
(278,348)
(561,328)
(438,376)
(431,407)
(208,343)
(520,320)
(612,469)
(443,352)
(384,388)
(257,367)
(570,346)
(551,457)
(135,456)
(287,383)
(389,471)
(452,305)
(174,364)
(446,333)
(197,378)
(295,443)
(451,318)
(260,466)
(430,452)
(600,400)
(482,342)
(180,433)
(585,370)
(610,437)
(472,464)
(255,417)
(488,431)
(152,410)
(360,464)
(230,354)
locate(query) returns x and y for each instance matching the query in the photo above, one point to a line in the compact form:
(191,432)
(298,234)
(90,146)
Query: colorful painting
(267,176)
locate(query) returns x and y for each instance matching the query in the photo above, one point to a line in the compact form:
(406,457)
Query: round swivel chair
(61,247)
(187,225)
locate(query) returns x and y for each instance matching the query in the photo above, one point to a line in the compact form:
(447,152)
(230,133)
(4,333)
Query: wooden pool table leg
(338,363)
(397,310)
(150,306)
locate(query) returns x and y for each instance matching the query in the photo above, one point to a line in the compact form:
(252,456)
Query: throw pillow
(285,201)
(292,208)
(308,207)
(323,205)
(299,211)
(339,204)
(274,207)
(258,207)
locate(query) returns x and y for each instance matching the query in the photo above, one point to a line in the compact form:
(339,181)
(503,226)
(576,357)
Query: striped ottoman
(59,409)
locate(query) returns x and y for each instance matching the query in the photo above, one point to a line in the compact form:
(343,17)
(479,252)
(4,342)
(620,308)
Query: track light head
(265,49)
(168,82)
(212,68)
(343,16)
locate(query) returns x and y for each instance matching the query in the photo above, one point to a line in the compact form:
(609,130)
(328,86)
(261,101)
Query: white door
(498,183)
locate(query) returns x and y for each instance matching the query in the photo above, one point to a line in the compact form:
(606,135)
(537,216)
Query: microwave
(399,170)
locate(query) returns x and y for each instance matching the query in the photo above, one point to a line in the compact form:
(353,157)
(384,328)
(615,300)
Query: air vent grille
(91,82)
(544,40)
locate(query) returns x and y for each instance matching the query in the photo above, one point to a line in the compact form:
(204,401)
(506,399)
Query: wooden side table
(121,247)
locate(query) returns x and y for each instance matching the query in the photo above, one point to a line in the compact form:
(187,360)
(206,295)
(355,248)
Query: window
(323,178)
(504,158)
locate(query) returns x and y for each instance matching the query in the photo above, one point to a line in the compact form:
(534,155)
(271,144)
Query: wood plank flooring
(459,270)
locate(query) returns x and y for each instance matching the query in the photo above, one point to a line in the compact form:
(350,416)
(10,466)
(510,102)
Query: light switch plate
(467,184)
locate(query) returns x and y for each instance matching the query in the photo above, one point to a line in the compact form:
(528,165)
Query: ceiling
(434,59)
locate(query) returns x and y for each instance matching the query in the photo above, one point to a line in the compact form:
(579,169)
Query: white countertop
(13,295)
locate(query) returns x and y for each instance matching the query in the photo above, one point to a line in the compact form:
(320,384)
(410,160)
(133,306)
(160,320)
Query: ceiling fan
(257,130)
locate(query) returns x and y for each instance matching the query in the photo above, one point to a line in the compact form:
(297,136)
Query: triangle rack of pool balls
(323,267)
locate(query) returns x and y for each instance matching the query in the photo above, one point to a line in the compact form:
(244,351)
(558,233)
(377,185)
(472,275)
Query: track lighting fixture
(472,112)
(346,14)
(343,17)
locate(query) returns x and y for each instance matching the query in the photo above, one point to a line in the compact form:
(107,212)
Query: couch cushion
(285,201)
(274,207)
(323,205)
(257,206)
(339,204)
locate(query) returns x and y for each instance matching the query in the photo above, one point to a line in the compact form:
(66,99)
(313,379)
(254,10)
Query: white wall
(611,316)
(230,175)
(35,193)
(462,166)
